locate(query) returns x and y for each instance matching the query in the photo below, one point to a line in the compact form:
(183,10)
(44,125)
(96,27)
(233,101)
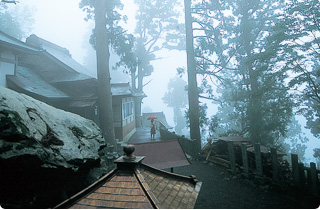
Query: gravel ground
(222,190)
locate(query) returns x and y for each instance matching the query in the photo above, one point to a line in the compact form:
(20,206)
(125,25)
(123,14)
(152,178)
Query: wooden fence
(301,176)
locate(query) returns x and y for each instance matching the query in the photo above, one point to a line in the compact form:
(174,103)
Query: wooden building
(47,72)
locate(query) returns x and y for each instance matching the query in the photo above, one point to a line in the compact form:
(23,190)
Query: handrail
(161,124)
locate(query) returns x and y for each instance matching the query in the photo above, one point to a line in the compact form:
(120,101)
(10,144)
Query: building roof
(60,54)
(168,190)
(162,154)
(233,138)
(53,74)
(121,189)
(121,89)
(14,43)
(135,185)
(30,82)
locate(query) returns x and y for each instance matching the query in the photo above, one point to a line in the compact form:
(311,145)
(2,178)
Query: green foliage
(295,140)
(239,49)
(157,28)
(316,153)
(302,50)
(203,120)
(114,31)
(16,21)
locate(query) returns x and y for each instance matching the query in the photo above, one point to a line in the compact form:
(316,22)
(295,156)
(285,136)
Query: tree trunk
(104,81)
(193,95)
(254,107)
(140,79)
(133,80)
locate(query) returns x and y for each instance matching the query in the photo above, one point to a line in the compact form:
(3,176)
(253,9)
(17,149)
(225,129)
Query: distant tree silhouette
(176,98)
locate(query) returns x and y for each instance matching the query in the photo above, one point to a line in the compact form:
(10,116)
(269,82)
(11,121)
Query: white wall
(6,68)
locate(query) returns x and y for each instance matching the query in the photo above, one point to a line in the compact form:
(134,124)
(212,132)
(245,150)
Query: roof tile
(143,187)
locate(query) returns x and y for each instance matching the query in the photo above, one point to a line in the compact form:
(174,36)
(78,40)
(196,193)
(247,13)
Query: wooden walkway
(143,135)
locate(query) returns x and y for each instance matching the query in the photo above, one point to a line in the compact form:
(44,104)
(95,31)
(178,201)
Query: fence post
(232,156)
(244,153)
(257,154)
(314,178)
(309,176)
(302,174)
(295,169)
(275,166)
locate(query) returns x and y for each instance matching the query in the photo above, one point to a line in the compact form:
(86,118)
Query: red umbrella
(152,117)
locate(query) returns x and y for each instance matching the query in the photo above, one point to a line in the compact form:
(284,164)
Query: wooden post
(257,154)
(309,176)
(314,179)
(275,166)
(295,169)
(232,156)
(245,162)
(302,174)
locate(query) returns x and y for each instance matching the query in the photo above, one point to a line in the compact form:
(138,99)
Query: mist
(62,22)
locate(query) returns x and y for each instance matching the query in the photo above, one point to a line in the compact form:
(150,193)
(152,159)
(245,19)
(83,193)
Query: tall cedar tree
(238,44)
(105,33)
(193,94)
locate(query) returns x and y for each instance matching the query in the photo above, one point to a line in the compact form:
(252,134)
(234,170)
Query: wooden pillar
(245,162)
(257,155)
(232,156)
(295,169)
(275,166)
(314,179)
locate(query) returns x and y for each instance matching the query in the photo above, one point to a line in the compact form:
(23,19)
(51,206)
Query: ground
(223,190)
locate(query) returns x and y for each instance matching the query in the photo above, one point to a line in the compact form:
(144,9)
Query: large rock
(42,145)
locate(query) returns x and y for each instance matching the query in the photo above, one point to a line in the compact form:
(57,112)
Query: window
(127,109)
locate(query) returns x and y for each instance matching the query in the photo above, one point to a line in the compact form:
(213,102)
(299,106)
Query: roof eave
(18,48)
(70,201)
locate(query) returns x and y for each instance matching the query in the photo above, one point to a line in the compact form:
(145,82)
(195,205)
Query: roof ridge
(35,40)
(154,201)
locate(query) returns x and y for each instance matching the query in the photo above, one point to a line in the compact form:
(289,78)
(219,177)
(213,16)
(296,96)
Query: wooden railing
(300,176)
